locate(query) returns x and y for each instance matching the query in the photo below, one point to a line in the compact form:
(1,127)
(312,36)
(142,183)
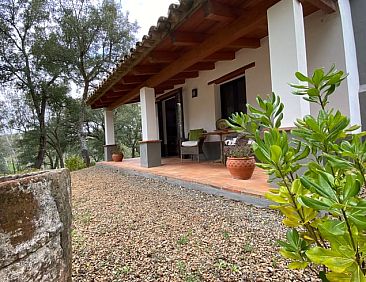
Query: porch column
(350,57)
(110,143)
(150,147)
(287,55)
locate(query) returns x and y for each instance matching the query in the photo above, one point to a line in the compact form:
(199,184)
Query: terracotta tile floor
(207,173)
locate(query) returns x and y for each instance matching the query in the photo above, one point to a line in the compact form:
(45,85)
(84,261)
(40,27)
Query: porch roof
(195,35)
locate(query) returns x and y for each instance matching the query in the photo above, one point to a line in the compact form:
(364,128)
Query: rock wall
(35,222)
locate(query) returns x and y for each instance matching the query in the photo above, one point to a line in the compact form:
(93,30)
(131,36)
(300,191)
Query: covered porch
(208,59)
(207,173)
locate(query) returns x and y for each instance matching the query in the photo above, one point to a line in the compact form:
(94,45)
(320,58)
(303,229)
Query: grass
(226,235)
(85,217)
(77,238)
(185,275)
(224,265)
(247,248)
(119,271)
(184,239)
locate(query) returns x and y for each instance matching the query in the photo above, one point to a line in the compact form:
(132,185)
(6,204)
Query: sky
(146,12)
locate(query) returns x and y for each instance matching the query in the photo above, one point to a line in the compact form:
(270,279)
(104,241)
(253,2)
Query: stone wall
(35,222)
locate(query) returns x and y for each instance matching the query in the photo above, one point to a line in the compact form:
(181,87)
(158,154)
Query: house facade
(209,58)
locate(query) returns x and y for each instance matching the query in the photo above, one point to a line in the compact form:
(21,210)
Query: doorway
(171,122)
(233,97)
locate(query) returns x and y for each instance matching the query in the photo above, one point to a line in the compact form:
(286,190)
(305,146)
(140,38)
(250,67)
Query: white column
(353,82)
(287,55)
(148,114)
(109,127)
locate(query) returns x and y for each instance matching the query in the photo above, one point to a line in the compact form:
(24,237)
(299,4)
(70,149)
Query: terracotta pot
(117,157)
(241,168)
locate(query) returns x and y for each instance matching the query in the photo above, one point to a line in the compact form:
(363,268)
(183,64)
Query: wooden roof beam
(123,87)
(175,81)
(245,23)
(201,66)
(328,6)
(184,75)
(163,57)
(134,79)
(220,56)
(147,69)
(186,38)
(219,12)
(246,42)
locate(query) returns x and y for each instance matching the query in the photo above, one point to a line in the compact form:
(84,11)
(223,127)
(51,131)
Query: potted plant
(117,154)
(240,160)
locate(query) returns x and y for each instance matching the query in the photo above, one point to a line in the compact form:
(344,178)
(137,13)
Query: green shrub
(74,162)
(320,172)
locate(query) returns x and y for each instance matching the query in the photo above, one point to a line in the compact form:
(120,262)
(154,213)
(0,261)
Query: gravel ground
(129,228)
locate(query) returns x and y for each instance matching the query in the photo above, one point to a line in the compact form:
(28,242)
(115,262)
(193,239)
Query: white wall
(324,44)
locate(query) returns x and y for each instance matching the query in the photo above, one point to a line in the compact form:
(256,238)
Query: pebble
(129,228)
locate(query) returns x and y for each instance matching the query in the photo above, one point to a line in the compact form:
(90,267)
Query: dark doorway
(233,97)
(171,127)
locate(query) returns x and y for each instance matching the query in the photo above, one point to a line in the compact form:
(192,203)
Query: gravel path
(130,228)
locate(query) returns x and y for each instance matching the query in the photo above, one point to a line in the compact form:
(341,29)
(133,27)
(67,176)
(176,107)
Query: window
(233,97)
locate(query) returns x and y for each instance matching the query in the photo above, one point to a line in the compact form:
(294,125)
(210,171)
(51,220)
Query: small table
(220,133)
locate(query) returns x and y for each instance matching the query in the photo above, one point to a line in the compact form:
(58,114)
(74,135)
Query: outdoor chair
(193,146)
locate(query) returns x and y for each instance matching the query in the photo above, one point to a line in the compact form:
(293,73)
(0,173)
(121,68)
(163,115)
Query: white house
(209,58)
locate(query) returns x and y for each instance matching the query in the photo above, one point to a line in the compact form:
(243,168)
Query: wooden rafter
(163,57)
(147,69)
(219,12)
(134,79)
(246,43)
(185,75)
(213,43)
(220,56)
(201,66)
(186,38)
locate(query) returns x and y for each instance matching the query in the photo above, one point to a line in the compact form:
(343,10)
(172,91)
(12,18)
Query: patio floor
(207,173)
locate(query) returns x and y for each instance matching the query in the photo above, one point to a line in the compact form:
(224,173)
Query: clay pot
(241,168)
(117,157)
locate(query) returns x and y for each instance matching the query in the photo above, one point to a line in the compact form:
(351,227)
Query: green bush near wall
(74,162)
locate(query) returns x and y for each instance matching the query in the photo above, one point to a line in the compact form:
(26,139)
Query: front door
(171,128)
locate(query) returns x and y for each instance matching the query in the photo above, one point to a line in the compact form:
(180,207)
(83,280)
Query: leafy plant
(320,172)
(118,150)
(74,163)
(241,148)
(183,240)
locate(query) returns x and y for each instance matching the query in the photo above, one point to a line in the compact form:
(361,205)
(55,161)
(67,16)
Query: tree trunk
(42,142)
(133,151)
(61,159)
(81,133)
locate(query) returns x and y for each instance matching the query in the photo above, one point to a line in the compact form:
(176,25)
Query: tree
(29,58)
(128,126)
(95,36)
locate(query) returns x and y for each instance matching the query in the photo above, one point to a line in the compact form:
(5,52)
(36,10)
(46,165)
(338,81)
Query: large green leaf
(276,153)
(332,259)
(313,203)
(358,217)
(335,231)
(338,277)
(358,276)
(351,188)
